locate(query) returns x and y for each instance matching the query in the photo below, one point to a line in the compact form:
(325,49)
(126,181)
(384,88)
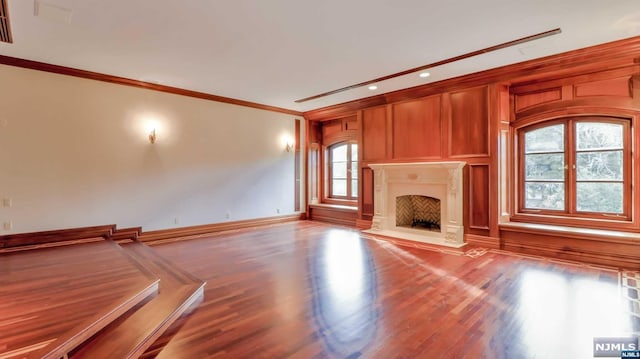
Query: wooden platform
(91,296)
(178,291)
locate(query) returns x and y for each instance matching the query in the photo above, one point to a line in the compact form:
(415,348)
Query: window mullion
(570,172)
(349,170)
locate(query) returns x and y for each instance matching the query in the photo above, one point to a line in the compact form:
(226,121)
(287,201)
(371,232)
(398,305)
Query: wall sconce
(289,145)
(152,136)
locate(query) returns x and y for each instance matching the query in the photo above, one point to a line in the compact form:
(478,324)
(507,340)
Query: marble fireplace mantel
(441,180)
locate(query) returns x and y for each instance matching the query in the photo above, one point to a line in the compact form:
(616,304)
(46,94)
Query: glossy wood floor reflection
(309,290)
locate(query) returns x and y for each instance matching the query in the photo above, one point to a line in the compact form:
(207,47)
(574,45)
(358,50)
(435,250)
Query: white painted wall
(75,152)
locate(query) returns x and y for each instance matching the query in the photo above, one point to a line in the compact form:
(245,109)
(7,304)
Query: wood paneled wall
(443,127)
(417,129)
(473,118)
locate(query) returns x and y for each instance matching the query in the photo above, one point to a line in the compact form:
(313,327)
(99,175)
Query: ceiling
(278,51)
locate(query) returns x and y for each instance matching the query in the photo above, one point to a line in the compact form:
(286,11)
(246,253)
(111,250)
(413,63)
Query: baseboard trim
(182,233)
(482,241)
(126,234)
(363,224)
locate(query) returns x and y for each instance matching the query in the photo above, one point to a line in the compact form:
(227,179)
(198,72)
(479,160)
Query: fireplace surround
(438,180)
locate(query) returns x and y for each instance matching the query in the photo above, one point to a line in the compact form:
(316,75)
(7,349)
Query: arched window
(343,171)
(576,166)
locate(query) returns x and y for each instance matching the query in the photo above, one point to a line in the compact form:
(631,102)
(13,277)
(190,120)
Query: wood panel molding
(612,55)
(374,134)
(530,99)
(613,88)
(417,129)
(297,180)
(366,197)
(479,214)
(620,86)
(469,123)
(69,71)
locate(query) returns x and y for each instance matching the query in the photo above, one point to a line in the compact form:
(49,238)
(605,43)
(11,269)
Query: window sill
(615,224)
(335,206)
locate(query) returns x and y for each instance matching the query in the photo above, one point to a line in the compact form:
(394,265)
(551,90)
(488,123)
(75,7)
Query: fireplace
(420,201)
(416,211)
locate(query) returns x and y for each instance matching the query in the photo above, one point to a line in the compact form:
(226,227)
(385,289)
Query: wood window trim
(571,217)
(328,197)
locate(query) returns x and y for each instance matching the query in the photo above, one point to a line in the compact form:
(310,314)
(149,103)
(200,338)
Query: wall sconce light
(289,145)
(152,136)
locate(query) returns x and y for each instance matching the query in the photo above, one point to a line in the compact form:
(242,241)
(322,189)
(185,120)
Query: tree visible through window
(576,165)
(343,171)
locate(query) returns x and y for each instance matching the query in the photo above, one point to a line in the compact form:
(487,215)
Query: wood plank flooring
(311,290)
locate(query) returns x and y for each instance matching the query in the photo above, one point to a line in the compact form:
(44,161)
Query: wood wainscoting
(342,215)
(614,249)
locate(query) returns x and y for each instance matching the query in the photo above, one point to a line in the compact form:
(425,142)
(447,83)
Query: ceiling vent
(5,30)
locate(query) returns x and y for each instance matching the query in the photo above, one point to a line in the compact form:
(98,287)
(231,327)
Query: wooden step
(54,299)
(132,334)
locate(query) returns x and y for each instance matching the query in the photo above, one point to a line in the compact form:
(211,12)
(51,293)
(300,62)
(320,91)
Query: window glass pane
(599,197)
(339,187)
(544,195)
(354,188)
(545,139)
(354,169)
(339,153)
(593,135)
(354,152)
(339,170)
(606,165)
(549,166)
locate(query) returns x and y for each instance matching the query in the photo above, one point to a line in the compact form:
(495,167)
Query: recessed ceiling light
(373,87)
(424,74)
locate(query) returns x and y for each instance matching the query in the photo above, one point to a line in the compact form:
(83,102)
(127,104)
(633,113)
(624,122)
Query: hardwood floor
(310,290)
(53,299)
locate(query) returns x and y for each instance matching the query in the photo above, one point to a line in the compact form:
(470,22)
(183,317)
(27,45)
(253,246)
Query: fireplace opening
(418,212)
